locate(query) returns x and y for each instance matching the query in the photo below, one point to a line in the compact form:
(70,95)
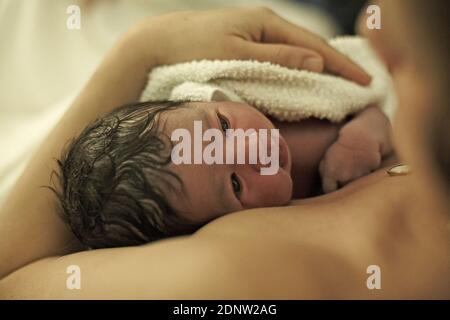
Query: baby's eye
(224,123)
(236,185)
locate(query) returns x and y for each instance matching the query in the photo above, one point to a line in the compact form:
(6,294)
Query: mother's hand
(244,34)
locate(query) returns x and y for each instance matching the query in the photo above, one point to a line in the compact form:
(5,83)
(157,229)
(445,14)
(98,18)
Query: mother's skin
(317,248)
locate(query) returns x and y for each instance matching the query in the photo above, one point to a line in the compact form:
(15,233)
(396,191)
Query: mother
(316,248)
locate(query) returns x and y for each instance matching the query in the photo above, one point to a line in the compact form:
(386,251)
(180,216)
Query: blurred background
(43,64)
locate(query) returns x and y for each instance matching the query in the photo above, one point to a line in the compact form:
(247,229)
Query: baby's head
(119,185)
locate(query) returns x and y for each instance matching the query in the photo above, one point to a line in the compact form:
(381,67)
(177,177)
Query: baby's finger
(284,55)
(329,184)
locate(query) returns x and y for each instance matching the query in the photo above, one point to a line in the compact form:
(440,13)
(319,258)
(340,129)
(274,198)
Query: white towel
(286,94)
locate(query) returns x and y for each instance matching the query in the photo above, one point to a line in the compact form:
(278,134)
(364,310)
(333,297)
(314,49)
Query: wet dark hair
(112,176)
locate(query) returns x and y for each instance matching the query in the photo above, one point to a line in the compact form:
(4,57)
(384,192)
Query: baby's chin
(285,159)
(283,189)
(284,183)
(290,188)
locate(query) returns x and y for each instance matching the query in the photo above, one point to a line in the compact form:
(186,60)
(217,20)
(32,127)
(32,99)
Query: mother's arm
(211,269)
(312,250)
(29,224)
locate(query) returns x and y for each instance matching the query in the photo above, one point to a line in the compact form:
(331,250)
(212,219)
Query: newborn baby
(118,185)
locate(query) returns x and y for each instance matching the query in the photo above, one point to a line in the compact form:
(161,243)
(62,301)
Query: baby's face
(212,190)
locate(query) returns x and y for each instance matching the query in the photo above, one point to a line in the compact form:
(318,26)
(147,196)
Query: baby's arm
(361,145)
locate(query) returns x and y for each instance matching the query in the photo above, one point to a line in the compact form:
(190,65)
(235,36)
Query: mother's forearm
(212,269)
(144,272)
(29,224)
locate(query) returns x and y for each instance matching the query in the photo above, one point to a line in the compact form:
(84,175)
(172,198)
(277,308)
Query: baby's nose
(260,157)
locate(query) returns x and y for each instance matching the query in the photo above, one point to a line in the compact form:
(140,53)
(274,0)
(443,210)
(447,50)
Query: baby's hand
(359,150)
(345,161)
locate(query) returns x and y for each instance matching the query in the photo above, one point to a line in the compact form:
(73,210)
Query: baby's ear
(222,94)
(202,92)
(219,96)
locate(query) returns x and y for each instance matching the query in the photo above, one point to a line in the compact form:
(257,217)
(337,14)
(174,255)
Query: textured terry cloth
(286,94)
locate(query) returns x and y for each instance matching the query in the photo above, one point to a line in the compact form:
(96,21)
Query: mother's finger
(282,54)
(278,30)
